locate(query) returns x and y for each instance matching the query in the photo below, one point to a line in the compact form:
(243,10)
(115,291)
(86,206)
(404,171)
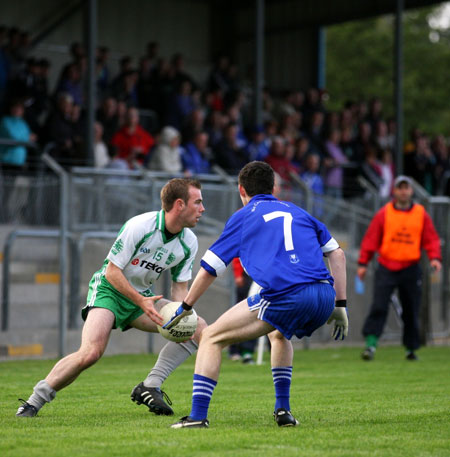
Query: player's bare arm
(201,283)
(117,279)
(336,260)
(179,290)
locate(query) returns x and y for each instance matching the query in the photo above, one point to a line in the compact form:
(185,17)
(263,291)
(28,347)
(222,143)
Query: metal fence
(86,203)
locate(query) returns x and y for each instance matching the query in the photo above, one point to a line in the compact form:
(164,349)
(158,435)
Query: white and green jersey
(142,252)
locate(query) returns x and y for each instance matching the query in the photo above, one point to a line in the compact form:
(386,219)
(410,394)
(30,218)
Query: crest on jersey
(293,258)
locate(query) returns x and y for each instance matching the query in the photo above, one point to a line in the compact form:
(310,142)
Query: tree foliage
(360,65)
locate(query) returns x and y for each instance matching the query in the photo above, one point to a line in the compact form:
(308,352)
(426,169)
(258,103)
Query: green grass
(347,407)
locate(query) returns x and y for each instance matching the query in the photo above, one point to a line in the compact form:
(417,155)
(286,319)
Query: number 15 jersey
(280,245)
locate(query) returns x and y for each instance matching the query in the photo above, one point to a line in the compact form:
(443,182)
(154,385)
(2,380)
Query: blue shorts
(298,314)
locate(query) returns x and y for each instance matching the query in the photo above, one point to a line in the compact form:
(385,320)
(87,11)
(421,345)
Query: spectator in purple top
(333,162)
(71,84)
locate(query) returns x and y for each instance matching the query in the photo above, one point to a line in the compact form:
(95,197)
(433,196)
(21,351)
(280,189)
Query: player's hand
(183,310)
(340,329)
(148,306)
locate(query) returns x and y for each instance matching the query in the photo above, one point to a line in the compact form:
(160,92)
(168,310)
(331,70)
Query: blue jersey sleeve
(226,248)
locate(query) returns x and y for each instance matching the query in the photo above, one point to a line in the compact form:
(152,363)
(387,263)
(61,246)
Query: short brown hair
(177,188)
(257,178)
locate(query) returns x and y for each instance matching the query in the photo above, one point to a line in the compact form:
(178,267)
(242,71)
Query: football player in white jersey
(120,295)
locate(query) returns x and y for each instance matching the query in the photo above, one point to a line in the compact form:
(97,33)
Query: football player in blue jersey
(281,247)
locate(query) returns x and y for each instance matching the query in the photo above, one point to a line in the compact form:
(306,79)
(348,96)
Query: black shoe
(284,418)
(368,354)
(153,398)
(187,421)
(411,355)
(26,410)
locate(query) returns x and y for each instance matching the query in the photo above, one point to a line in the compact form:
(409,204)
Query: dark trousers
(408,282)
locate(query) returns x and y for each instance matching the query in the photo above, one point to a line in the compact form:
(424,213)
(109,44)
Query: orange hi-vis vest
(402,233)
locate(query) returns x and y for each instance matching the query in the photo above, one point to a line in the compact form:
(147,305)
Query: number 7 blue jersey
(280,245)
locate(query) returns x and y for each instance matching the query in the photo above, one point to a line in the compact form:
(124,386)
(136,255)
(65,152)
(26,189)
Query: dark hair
(177,188)
(257,178)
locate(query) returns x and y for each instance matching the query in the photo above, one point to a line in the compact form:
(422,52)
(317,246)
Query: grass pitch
(346,407)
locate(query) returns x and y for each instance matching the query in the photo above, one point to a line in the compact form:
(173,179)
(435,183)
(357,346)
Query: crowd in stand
(154,114)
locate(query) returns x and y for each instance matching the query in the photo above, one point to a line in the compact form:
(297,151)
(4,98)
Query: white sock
(42,394)
(171,356)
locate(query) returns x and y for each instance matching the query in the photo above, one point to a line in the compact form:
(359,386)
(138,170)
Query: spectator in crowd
(218,78)
(420,163)
(133,143)
(145,84)
(166,156)
(441,154)
(371,167)
(14,127)
(347,144)
(387,170)
(227,153)
(179,74)
(62,129)
(361,142)
(392,133)
(215,125)
(127,90)
(258,147)
(302,148)
(193,124)
(311,175)
(233,112)
(102,71)
(278,159)
(152,52)
(70,83)
(333,162)
(347,120)
(13,158)
(313,104)
(374,114)
(398,232)
(312,178)
(101,155)
(381,138)
(162,82)
(196,155)
(108,118)
(125,66)
(180,105)
(315,131)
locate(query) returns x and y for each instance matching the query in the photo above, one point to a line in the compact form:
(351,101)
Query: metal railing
(94,203)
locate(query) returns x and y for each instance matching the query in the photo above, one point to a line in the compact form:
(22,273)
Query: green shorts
(102,294)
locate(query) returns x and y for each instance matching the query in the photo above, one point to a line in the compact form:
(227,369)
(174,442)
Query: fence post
(63,236)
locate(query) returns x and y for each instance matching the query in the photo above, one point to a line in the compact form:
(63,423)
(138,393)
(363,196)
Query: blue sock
(201,396)
(282,381)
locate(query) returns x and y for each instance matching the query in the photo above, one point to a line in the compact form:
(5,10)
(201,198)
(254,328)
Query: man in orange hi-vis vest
(398,232)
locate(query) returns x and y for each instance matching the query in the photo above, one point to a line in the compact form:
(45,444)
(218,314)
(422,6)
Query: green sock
(371,341)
